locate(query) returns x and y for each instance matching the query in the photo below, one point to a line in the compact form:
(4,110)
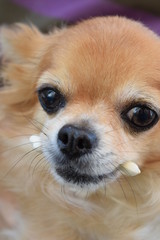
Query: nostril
(83,143)
(80,144)
(64,138)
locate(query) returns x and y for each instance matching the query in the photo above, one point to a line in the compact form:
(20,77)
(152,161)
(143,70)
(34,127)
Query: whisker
(38,128)
(23,135)
(40,123)
(44,164)
(119,183)
(17,146)
(133,193)
(124,194)
(37,164)
(18,161)
(39,154)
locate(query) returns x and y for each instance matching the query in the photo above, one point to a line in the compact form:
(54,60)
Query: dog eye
(141,118)
(51,99)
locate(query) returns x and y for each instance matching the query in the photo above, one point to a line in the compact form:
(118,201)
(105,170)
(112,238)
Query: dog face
(95,90)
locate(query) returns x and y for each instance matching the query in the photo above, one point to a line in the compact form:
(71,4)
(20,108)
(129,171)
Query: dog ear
(21,48)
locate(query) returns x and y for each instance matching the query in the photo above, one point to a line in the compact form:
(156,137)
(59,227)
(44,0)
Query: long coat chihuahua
(80,132)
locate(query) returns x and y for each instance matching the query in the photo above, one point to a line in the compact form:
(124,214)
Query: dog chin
(82,183)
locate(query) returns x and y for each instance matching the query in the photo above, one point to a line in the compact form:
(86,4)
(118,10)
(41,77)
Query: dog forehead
(99,55)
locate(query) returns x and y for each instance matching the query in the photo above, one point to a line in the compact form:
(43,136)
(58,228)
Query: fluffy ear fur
(20,49)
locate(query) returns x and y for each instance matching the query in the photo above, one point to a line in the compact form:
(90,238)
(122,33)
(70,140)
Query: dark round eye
(141,118)
(51,99)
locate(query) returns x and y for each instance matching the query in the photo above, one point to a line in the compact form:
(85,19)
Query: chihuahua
(80,132)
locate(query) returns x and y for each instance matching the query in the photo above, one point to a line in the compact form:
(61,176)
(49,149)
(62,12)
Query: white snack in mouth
(35,140)
(130,169)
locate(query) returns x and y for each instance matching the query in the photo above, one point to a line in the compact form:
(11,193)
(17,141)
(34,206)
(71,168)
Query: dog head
(94,89)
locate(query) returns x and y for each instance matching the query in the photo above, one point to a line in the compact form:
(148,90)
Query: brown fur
(101,65)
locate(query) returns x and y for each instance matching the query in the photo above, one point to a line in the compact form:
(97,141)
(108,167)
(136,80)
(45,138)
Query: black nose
(75,142)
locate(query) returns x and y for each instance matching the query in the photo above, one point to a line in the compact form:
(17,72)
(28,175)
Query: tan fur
(101,65)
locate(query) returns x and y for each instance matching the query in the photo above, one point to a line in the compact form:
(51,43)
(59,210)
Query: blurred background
(48,13)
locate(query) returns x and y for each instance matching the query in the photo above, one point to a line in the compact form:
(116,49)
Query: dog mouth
(83,171)
(70,175)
